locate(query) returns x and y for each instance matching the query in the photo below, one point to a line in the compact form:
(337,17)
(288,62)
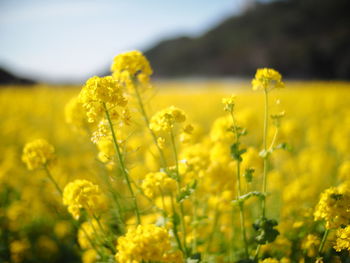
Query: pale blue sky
(70,40)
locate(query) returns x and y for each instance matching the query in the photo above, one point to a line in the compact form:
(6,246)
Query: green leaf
(236,152)
(248,174)
(187,191)
(266,232)
(176,219)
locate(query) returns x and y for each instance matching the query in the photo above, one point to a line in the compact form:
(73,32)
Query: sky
(71,40)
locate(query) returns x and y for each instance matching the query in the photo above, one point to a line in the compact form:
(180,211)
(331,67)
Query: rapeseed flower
(334,207)
(37,154)
(267,78)
(82,194)
(158,182)
(146,243)
(343,239)
(99,94)
(165,120)
(129,66)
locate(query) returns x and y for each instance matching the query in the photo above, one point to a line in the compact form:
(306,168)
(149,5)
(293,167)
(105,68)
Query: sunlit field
(207,181)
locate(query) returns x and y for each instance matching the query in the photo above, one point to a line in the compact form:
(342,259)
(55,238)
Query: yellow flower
(161,142)
(89,256)
(156,182)
(194,161)
(311,244)
(81,194)
(334,207)
(131,65)
(229,103)
(186,134)
(146,243)
(106,151)
(100,92)
(164,120)
(267,78)
(37,154)
(343,239)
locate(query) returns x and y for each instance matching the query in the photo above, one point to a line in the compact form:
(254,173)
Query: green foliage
(236,152)
(266,232)
(187,191)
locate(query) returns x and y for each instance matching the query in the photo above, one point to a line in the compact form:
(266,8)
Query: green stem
(175,226)
(178,180)
(239,193)
(257,252)
(216,221)
(146,118)
(194,211)
(122,165)
(48,173)
(172,137)
(74,222)
(324,238)
(264,188)
(274,139)
(109,243)
(90,240)
(115,197)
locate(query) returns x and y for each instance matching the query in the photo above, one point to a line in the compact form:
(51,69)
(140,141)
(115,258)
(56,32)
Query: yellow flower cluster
(99,94)
(165,119)
(311,244)
(82,194)
(229,103)
(343,239)
(334,207)
(194,161)
(146,243)
(267,78)
(37,154)
(131,65)
(158,182)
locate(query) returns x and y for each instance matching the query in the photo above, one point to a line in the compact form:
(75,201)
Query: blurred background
(65,42)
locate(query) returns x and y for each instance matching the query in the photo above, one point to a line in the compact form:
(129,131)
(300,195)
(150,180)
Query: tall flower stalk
(122,165)
(236,153)
(266,79)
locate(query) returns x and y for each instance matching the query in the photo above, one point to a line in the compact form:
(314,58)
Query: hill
(7,78)
(301,38)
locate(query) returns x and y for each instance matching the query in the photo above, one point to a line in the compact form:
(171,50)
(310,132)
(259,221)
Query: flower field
(127,170)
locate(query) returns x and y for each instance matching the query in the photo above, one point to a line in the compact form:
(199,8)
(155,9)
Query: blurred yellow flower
(37,154)
(267,78)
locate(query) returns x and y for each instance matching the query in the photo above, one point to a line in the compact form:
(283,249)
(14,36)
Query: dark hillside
(300,38)
(7,78)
